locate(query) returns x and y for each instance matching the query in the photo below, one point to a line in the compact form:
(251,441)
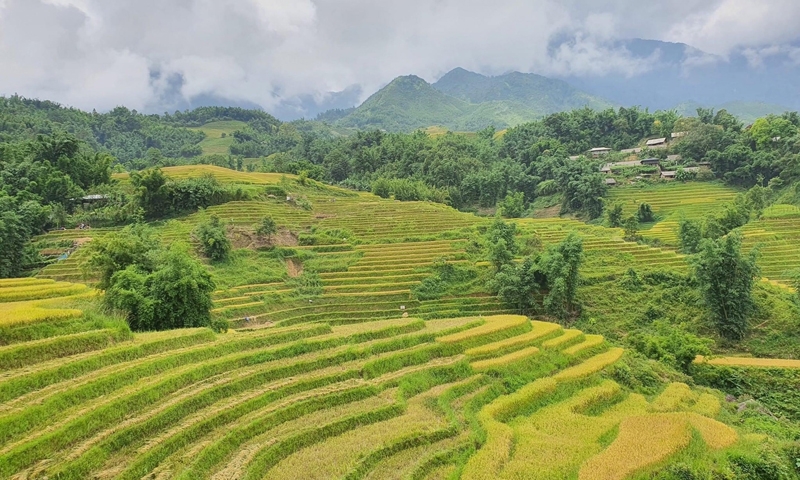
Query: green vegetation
(375,335)
(726,279)
(213,239)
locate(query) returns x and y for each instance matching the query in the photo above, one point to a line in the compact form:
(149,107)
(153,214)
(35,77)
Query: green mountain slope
(747,112)
(405,104)
(541,94)
(463,100)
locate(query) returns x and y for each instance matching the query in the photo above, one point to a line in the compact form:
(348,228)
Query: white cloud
(101,53)
(739,23)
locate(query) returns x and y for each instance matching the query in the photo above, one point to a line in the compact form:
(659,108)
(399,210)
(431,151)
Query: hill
(348,358)
(405,104)
(463,100)
(534,92)
(747,112)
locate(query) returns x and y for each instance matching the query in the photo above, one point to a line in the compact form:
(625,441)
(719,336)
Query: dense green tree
(151,191)
(614,215)
(513,206)
(560,265)
(690,234)
(518,285)
(176,294)
(726,278)
(631,226)
(134,245)
(213,239)
(645,213)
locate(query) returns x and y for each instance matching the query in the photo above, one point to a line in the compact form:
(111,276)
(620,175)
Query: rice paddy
(749,362)
(358,379)
(671,202)
(215,143)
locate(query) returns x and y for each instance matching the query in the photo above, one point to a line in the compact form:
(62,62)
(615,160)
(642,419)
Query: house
(91,200)
(599,151)
(674,158)
(611,182)
(668,175)
(651,162)
(94,198)
(606,168)
(678,134)
(657,143)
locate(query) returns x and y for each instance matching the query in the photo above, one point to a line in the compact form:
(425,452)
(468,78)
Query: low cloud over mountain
(287,57)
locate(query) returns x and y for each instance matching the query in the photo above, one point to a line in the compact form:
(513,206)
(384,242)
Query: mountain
(405,104)
(677,73)
(535,92)
(463,100)
(747,112)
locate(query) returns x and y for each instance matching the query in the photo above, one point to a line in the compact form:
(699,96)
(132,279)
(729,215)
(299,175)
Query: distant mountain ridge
(463,100)
(681,74)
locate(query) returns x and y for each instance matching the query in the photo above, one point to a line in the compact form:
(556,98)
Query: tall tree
(561,267)
(726,278)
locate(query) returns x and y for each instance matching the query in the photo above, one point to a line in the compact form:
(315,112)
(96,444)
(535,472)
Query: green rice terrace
(340,363)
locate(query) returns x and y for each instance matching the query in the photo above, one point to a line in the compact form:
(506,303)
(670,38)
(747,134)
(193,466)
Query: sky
(157,55)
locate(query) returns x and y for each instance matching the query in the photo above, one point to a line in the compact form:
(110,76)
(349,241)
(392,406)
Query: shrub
(133,245)
(615,216)
(177,294)
(632,228)
(267,227)
(213,239)
(513,206)
(645,213)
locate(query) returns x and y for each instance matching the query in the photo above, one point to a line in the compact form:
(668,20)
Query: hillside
(535,92)
(463,100)
(407,103)
(747,112)
(369,373)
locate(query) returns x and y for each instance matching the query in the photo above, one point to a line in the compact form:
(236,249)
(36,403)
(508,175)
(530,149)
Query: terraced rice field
(29,300)
(377,399)
(749,362)
(222,174)
(606,252)
(670,202)
(214,143)
(777,236)
(376,284)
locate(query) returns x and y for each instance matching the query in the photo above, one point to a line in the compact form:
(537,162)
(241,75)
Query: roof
(666,173)
(656,141)
(94,197)
(600,149)
(651,160)
(610,181)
